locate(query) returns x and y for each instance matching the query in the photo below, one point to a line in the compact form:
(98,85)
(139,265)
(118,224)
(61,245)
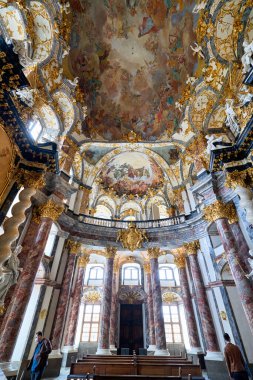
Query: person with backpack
(39,362)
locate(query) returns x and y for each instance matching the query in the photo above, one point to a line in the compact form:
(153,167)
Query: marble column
(201,298)
(38,233)
(160,338)
(104,331)
(113,320)
(62,305)
(72,323)
(151,322)
(223,215)
(180,261)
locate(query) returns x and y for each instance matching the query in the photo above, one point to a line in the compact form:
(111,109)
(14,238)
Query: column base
(214,355)
(194,351)
(70,354)
(103,351)
(53,368)
(152,347)
(161,352)
(55,354)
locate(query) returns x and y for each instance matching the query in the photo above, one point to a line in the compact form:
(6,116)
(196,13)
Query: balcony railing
(113,223)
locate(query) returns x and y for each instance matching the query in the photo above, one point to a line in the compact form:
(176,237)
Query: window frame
(91,322)
(172,323)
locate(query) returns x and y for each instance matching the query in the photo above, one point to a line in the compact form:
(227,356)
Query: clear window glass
(131,274)
(173,330)
(91,323)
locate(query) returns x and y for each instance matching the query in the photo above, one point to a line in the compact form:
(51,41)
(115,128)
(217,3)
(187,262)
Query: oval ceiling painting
(132,59)
(131,173)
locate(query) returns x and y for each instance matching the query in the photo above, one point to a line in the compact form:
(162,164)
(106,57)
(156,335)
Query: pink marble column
(104,331)
(34,245)
(113,311)
(72,323)
(151,321)
(203,306)
(157,302)
(243,284)
(188,307)
(62,305)
(242,246)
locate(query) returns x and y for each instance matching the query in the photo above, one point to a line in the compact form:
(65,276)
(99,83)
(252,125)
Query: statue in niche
(9,274)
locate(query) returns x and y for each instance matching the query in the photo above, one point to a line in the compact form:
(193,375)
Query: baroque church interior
(126,203)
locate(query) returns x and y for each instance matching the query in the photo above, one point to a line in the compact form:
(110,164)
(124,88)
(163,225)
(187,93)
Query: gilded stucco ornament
(220,210)
(30,179)
(132,237)
(154,253)
(192,247)
(179,257)
(50,210)
(169,297)
(83,260)
(92,296)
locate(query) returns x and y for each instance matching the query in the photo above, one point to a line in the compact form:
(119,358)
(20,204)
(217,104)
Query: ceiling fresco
(131,59)
(131,173)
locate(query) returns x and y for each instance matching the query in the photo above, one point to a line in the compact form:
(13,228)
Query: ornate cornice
(50,210)
(220,210)
(154,253)
(192,247)
(30,179)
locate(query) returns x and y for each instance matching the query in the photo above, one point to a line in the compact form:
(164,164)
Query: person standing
(38,362)
(234,359)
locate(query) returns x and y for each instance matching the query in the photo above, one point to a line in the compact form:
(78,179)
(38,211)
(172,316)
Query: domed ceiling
(131,173)
(132,58)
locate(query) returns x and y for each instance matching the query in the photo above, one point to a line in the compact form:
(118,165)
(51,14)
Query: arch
(50,123)
(106,201)
(131,274)
(103,212)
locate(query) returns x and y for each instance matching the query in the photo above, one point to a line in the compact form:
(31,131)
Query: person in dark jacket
(234,359)
(40,356)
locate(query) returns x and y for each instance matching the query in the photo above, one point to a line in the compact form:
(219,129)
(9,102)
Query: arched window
(131,274)
(96,276)
(91,323)
(103,212)
(167,276)
(172,324)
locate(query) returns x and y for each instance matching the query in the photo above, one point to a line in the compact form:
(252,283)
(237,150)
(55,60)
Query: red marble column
(72,323)
(62,305)
(188,307)
(157,302)
(150,306)
(34,245)
(113,310)
(202,302)
(243,284)
(242,246)
(104,331)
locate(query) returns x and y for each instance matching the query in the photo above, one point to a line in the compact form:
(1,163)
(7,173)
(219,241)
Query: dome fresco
(131,173)
(132,59)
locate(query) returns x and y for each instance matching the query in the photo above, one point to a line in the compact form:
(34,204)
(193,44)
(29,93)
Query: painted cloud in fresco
(132,58)
(131,173)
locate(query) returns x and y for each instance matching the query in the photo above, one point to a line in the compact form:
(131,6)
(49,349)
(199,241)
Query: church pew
(168,369)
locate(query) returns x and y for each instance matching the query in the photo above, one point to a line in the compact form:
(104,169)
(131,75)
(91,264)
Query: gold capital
(220,210)
(192,247)
(241,178)
(110,252)
(154,253)
(147,268)
(83,261)
(50,210)
(30,179)
(74,247)
(179,257)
